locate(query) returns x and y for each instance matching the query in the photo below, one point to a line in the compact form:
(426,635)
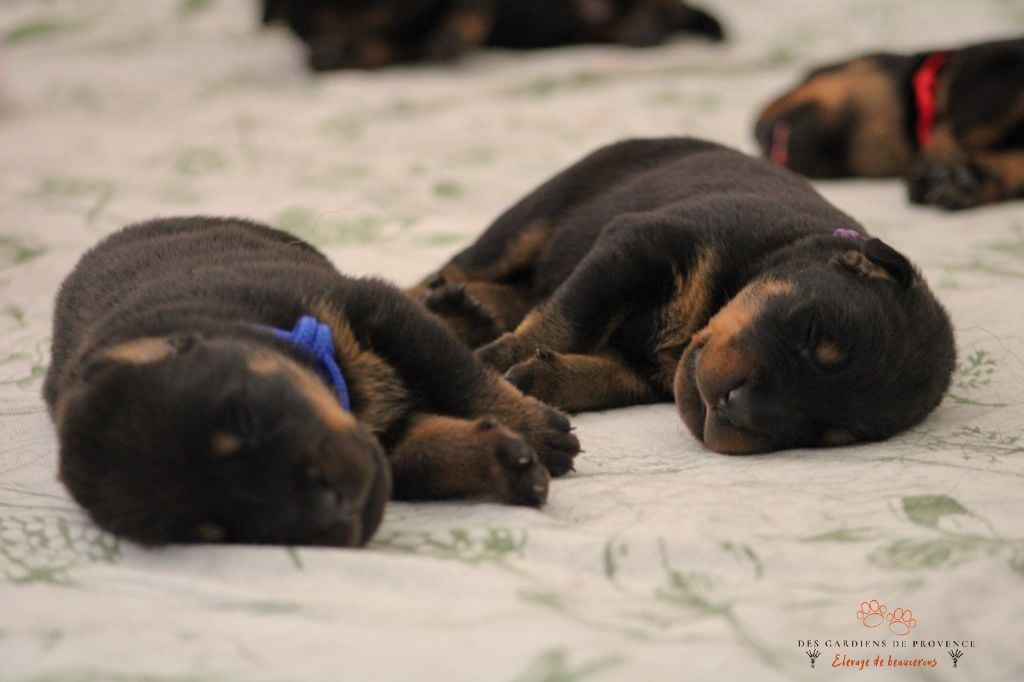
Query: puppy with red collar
(951,122)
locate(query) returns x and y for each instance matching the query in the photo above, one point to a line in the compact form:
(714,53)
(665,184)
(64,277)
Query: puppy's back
(138,270)
(671,180)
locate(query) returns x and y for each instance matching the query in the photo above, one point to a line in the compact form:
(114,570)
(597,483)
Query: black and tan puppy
(950,121)
(369,34)
(655,269)
(183,416)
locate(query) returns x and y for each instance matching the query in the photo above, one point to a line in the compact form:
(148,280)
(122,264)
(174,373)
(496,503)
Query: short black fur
(374,33)
(181,418)
(676,267)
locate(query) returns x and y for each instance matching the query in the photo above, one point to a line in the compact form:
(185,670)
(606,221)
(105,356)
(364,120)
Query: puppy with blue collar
(216,380)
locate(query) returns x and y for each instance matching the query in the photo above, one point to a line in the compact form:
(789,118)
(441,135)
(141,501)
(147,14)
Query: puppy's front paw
(444,298)
(503,352)
(463,313)
(550,434)
(520,478)
(539,377)
(952,186)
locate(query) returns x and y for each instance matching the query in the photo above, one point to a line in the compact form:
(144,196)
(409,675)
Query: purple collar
(852,235)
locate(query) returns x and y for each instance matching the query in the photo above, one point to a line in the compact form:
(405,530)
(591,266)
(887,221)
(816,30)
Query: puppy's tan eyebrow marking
(225,444)
(828,353)
(264,363)
(144,351)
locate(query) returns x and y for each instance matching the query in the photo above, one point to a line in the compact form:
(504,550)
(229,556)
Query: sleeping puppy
(676,268)
(366,34)
(951,122)
(216,380)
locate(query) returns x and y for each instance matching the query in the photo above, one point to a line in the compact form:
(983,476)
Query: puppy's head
(841,343)
(843,120)
(183,439)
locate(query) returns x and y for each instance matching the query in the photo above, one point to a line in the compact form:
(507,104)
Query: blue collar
(314,338)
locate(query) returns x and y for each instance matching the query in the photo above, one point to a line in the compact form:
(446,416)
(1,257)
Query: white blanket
(656,560)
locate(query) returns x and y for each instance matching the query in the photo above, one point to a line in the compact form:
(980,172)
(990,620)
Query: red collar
(924,94)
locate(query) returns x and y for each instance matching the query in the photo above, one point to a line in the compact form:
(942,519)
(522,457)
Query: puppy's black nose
(731,406)
(337,523)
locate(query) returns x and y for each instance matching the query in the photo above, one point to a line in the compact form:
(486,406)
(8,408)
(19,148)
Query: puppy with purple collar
(676,269)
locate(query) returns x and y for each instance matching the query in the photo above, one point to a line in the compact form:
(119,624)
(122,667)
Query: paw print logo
(901,622)
(872,613)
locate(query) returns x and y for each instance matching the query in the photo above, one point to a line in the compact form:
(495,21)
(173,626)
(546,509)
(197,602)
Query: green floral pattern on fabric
(48,549)
(655,560)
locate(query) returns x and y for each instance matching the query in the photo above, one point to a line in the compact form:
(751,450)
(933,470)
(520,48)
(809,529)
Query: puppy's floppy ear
(878,259)
(891,260)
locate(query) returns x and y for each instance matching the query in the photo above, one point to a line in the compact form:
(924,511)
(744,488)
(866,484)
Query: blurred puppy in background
(951,122)
(367,34)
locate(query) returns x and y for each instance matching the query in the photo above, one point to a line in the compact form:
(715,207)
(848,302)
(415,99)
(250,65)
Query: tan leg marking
(519,253)
(446,457)
(576,383)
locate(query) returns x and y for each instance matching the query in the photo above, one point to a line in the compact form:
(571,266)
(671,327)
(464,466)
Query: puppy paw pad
(515,455)
(544,355)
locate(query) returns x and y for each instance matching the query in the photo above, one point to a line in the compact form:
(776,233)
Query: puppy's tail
(691,19)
